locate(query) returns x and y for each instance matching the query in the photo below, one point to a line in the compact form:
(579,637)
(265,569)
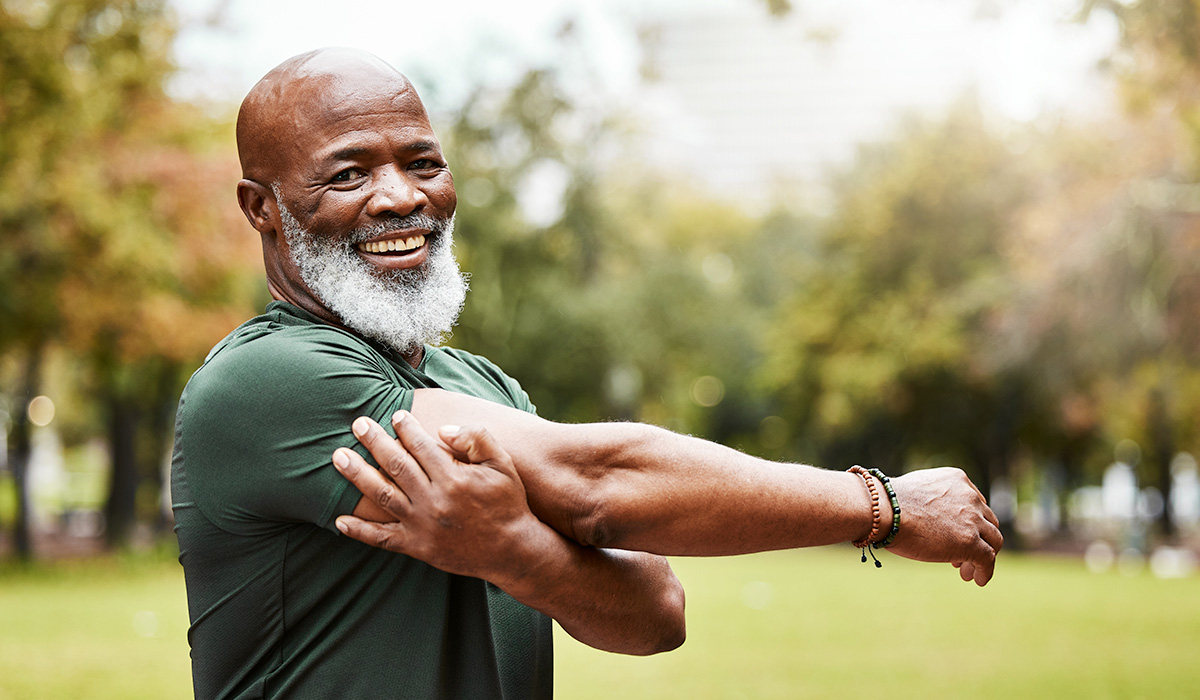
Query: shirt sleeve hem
(342,504)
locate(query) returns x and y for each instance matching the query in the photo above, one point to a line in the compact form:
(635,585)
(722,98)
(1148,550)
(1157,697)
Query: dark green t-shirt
(281,605)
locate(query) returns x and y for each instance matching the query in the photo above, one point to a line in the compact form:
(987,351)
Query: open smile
(395,245)
(399,253)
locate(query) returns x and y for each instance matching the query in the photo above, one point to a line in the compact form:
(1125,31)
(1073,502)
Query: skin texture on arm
(637,487)
(470,517)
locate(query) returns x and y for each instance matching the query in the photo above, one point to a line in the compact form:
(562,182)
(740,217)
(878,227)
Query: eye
(426,164)
(348,175)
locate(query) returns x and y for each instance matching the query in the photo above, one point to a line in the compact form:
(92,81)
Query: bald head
(305,92)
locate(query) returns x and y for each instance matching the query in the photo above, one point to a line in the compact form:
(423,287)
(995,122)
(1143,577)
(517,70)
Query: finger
(370,482)
(432,457)
(391,536)
(983,574)
(990,515)
(984,566)
(389,454)
(966,571)
(478,445)
(992,535)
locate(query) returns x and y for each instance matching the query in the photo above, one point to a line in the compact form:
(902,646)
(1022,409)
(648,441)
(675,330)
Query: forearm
(637,487)
(625,602)
(674,494)
(633,486)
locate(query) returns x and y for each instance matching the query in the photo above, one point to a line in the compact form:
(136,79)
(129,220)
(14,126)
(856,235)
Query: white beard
(403,309)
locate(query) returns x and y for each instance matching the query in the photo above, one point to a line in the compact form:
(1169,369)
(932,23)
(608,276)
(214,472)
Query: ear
(258,204)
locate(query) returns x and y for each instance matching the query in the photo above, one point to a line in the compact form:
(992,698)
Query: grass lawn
(785,625)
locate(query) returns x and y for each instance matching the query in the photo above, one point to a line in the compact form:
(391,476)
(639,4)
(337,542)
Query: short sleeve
(261,422)
(464,372)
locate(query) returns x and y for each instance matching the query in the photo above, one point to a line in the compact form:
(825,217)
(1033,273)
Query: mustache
(436,225)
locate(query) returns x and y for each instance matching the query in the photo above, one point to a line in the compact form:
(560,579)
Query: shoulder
(283,359)
(286,377)
(259,420)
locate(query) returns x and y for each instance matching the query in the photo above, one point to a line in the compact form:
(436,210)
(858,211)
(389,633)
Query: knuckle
(440,510)
(395,466)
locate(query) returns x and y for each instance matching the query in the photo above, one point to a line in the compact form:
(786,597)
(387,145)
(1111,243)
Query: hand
(464,517)
(944,518)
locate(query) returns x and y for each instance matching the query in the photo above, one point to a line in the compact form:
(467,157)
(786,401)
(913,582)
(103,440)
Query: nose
(394,191)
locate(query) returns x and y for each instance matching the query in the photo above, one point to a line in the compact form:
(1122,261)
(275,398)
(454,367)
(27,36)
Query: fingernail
(399,416)
(341,525)
(450,429)
(340,460)
(360,426)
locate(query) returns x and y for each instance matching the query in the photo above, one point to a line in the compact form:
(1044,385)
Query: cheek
(336,212)
(442,195)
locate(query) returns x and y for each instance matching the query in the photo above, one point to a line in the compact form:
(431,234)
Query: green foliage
(113,247)
(619,302)
(1001,299)
(1158,60)
(883,351)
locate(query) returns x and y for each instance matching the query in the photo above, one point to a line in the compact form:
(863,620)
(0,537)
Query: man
(468,542)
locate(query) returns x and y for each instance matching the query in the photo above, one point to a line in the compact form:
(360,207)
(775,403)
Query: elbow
(674,625)
(668,626)
(666,630)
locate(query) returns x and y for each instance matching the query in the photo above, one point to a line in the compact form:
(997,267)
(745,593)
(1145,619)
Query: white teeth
(393,245)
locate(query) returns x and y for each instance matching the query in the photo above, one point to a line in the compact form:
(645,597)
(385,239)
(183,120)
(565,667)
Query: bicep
(260,433)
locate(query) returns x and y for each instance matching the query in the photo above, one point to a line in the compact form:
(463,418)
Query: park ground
(808,624)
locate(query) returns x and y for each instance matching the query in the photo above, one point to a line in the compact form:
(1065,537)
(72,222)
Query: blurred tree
(112,245)
(608,291)
(882,355)
(1151,262)
(172,272)
(1158,59)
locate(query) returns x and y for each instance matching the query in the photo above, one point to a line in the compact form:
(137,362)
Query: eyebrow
(352,152)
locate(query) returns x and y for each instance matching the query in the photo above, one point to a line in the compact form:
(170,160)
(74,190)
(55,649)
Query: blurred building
(745,100)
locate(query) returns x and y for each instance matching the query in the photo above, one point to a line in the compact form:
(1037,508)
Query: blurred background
(904,234)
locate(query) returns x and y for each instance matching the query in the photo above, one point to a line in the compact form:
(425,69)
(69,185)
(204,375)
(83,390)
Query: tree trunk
(120,511)
(159,432)
(1162,453)
(20,449)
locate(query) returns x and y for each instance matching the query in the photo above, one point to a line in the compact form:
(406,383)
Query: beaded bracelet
(876,520)
(891,492)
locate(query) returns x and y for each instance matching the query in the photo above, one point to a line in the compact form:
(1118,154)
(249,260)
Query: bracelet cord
(876,516)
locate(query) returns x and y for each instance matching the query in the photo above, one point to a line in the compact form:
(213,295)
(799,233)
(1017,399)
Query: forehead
(336,114)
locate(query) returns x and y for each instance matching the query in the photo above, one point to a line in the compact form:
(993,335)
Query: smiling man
(463,547)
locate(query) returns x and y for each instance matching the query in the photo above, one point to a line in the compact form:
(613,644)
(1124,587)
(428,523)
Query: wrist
(889,509)
(525,563)
(873,514)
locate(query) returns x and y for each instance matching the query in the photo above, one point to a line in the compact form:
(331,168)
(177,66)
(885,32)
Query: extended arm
(471,518)
(642,488)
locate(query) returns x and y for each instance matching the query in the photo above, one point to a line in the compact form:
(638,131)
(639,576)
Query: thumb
(474,442)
